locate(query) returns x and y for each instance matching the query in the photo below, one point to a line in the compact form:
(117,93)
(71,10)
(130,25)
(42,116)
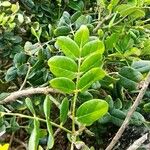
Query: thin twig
(54,101)
(20,142)
(138,142)
(11,139)
(115,22)
(20,147)
(130,113)
(57,131)
(25,80)
(31,91)
(12,135)
(30,117)
(101,22)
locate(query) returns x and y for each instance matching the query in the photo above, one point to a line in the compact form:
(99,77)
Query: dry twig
(31,91)
(138,142)
(101,22)
(130,113)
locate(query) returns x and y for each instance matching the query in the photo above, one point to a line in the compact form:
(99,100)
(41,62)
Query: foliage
(94,52)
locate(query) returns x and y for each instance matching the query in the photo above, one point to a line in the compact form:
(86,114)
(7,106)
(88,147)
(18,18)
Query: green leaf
(140,2)
(131,73)
(62,66)
(76,5)
(19,59)
(110,102)
(75,16)
(63,84)
(116,121)
(91,111)
(90,77)
(11,74)
(145,51)
(68,46)
(96,85)
(133,2)
(83,20)
(47,106)
(111,40)
(112,20)
(34,138)
(22,70)
(20,18)
(64,109)
(39,32)
(118,113)
(15,7)
(128,9)
(85,96)
(136,119)
(14,124)
(61,31)
(107,81)
(101,3)
(30,105)
(126,43)
(132,52)
(82,36)
(128,84)
(118,103)
(5,4)
(105,119)
(125,9)
(112,4)
(138,13)
(129,78)
(33,31)
(16,39)
(91,47)
(147,107)
(93,60)
(147,2)
(142,66)
(3,95)
(50,142)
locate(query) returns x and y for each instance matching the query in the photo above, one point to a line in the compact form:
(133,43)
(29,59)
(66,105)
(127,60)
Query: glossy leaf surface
(63,84)
(64,109)
(90,77)
(68,46)
(91,47)
(62,66)
(91,111)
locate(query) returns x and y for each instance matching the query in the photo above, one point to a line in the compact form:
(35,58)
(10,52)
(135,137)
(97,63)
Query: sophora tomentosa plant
(75,72)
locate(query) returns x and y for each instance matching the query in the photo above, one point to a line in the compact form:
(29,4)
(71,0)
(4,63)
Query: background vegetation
(106,43)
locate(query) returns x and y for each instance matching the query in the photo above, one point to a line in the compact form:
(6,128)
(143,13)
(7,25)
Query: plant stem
(30,117)
(26,77)
(54,101)
(115,23)
(73,112)
(73,120)
(71,29)
(74,106)
(27,92)
(101,22)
